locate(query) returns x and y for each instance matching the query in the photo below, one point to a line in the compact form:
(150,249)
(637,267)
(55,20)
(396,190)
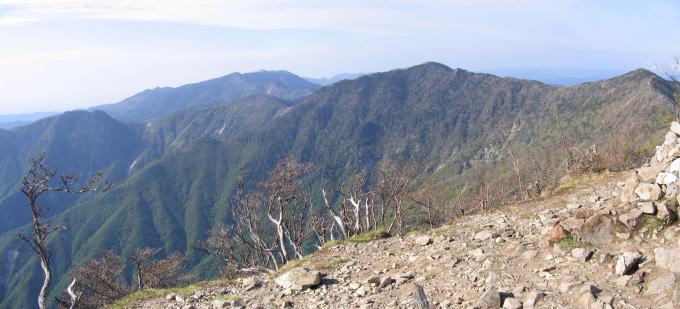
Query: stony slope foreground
(611,242)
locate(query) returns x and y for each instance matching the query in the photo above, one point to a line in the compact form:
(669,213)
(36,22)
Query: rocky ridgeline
(612,243)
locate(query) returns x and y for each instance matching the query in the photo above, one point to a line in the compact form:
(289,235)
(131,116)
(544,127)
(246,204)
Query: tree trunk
(46,282)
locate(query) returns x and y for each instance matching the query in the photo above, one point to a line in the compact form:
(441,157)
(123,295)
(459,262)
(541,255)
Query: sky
(58,55)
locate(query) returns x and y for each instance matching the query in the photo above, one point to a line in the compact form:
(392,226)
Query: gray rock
(627,263)
(647,207)
(250,284)
(628,191)
(511,303)
(533,298)
(666,211)
(483,235)
(648,192)
(648,173)
(661,284)
(299,279)
(490,299)
(582,254)
(596,230)
(221,303)
(632,219)
(423,240)
(668,258)
(385,282)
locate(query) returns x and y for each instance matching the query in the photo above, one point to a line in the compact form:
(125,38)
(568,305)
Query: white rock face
(666,178)
(675,127)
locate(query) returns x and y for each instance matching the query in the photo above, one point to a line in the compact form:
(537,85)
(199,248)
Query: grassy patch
(652,222)
(330,264)
(126,301)
(568,183)
(568,242)
(368,236)
(417,231)
(442,230)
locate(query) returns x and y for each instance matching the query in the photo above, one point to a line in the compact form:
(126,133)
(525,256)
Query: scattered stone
(632,219)
(483,235)
(627,263)
(665,210)
(647,207)
(490,299)
(582,254)
(557,232)
(596,230)
(423,240)
(648,192)
(221,303)
(533,298)
(250,284)
(648,173)
(529,254)
(512,303)
(385,282)
(666,178)
(574,206)
(299,278)
(373,280)
(668,258)
(170,296)
(661,284)
(628,191)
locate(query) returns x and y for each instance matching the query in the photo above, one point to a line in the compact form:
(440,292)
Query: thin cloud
(56,56)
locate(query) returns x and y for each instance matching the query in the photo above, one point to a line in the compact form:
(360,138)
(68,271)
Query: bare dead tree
(140,260)
(394,187)
(283,198)
(74,297)
(672,72)
(337,218)
(165,273)
(100,281)
(39,179)
(431,202)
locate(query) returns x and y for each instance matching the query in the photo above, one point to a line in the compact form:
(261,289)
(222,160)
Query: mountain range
(175,153)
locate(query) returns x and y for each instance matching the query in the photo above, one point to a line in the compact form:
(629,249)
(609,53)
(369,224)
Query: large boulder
(299,279)
(596,230)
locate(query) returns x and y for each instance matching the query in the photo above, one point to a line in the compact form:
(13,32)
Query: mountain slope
(159,102)
(77,142)
(452,121)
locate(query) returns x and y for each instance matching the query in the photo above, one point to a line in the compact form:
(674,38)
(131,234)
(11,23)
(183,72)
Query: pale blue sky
(65,54)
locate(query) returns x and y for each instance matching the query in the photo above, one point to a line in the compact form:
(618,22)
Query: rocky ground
(611,243)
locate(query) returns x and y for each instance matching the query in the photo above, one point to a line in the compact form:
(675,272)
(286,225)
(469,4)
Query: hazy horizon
(69,54)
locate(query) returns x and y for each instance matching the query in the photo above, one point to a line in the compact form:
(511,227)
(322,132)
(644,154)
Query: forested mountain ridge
(453,122)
